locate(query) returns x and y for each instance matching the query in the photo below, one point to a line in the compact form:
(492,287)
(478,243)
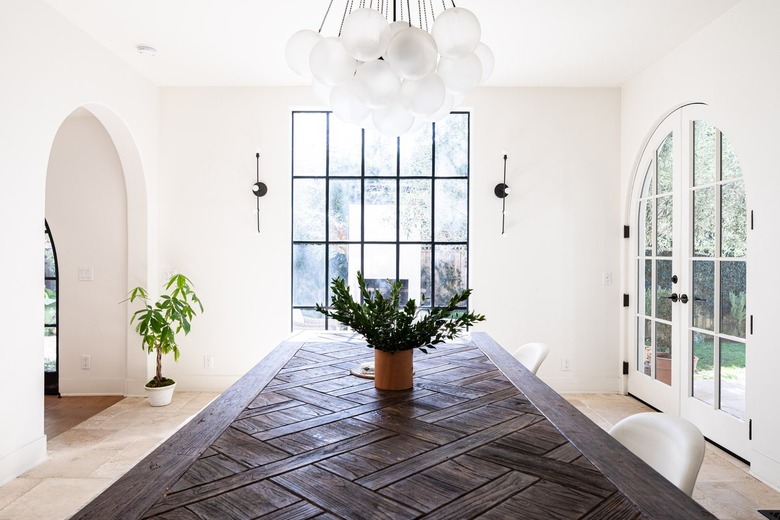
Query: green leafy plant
(158,323)
(390,327)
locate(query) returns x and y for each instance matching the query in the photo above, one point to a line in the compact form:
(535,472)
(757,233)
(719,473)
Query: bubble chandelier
(386,70)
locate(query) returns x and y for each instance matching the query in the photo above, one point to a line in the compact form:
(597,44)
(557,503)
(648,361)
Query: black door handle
(674,297)
(684,298)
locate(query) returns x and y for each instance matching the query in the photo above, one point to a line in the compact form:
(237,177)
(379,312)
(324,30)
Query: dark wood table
(478,436)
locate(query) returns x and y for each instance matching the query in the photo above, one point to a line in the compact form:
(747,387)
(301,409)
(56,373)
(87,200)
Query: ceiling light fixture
(146,50)
(385,69)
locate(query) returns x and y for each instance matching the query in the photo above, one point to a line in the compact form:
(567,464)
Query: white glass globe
(346,105)
(330,62)
(460,74)
(485,56)
(412,53)
(321,90)
(298,50)
(423,97)
(444,110)
(388,33)
(362,34)
(376,84)
(393,120)
(457,32)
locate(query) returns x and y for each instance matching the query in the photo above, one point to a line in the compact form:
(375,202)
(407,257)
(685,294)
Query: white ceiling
(535,42)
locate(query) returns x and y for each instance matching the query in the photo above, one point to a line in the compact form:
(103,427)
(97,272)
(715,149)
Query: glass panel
(452,146)
(414,262)
(704,294)
(50,302)
(49,267)
(451,203)
(645,241)
(732,298)
(648,188)
(309,144)
(663,289)
(732,377)
(703,369)
(308,274)
(663,244)
(644,298)
(665,165)
(305,319)
(381,154)
(734,222)
(450,272)
(344,148)
(426,276)
(379,266)
(645,343)
(340,256)
(50,349)
(417,153)
(415,207)
(380,210)
(344,210)
(704,222)
(730,167)
(663,352)
(704,152)
(309,209)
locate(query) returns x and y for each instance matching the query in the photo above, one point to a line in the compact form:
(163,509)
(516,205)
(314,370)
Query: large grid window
(392,208)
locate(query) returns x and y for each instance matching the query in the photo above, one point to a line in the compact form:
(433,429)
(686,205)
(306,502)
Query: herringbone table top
(310,440)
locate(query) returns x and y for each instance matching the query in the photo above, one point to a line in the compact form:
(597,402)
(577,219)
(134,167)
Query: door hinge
(750,429)
(625,368)
(627,231)
(625,300)
(751,324)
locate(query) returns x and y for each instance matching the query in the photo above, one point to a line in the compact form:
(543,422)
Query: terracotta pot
(393,370)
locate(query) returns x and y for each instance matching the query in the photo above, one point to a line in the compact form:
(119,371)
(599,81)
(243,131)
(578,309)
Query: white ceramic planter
(160,396)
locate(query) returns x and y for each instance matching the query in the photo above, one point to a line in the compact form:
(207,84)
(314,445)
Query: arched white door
(688,259)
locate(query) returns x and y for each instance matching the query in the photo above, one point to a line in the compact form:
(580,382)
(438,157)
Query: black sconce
(259,189)
(502,191)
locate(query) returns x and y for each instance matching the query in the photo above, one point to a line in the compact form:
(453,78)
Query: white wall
(47,69)
(542,281)
(87,213)
(732,66)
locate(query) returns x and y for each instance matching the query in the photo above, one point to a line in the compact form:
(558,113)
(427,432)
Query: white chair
(671,445)
(531,355)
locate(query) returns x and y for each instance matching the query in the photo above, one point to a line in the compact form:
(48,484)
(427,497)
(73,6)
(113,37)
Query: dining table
(478,436)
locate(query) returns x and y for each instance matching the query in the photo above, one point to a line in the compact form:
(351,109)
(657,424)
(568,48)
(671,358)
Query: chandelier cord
(347,9)
(325,17)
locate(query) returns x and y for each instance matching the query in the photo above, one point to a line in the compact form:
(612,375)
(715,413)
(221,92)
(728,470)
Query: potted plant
(158,323)
(394,331)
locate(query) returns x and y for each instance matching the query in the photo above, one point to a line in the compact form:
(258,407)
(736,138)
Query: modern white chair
(671,445)
(531,355)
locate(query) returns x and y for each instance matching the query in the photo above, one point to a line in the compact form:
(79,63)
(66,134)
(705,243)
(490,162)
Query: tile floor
(88,458)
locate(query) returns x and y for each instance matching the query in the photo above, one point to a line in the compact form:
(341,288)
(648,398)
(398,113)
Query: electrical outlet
(208,361)
(565,366)
(85,362)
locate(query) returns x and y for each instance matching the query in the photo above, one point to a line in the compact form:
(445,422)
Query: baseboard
(18,461)
(765,469)
(92,386)
(585,385)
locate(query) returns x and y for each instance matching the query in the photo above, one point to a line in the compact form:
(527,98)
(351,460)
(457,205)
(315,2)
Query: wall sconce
(502,191)
(259,189)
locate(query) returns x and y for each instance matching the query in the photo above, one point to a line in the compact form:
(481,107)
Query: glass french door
(690,269)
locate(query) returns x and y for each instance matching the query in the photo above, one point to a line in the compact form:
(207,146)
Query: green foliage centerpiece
(395,330)
(158,323)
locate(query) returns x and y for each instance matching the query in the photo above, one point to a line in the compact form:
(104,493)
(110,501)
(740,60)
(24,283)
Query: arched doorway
(51,381)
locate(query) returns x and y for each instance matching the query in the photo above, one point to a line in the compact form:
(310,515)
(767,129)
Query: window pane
(379,262)
(649,187)
(663,289)
(645,241)
(309,141)
(308,274)
(704,294)
(703,367)
(450,272)
(704,222)
(734,221)
(451,210)
(344,207)
(644,299)
(730,167)
(342,259)
(704,153)
(49,267)
(663,352)
(732,299)
(452,146)
(380,210)
(344,148)
(732,377)
(645,352)
(381,154)
(417,153)
(309,209)
(415,266)
(50,302)
(663,244)
(415,207)
(665,165)
(49,349)
(305,319)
